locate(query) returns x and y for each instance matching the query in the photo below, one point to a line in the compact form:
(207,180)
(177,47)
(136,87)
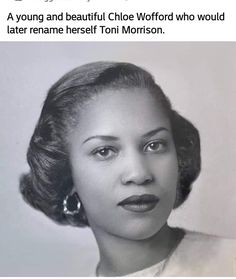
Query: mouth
(139,203)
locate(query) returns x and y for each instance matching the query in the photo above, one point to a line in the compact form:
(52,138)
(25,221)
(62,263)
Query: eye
(104,153)
(155,146)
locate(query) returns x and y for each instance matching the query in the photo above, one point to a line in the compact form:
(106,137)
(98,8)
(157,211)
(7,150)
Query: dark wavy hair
(49,180)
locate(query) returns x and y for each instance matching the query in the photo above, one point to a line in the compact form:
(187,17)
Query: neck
(119,256)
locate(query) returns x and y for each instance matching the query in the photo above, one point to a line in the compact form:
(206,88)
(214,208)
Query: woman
(109,152)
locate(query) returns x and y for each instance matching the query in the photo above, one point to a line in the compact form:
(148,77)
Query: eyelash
(161,143)
(100,149)
(162,147)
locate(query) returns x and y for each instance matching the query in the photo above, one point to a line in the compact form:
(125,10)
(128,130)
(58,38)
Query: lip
(139,203)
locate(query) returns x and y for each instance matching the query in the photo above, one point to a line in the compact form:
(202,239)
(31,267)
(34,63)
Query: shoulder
(200,254)
(200,242)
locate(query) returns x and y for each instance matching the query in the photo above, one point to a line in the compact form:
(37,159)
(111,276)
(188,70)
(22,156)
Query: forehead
(126,110)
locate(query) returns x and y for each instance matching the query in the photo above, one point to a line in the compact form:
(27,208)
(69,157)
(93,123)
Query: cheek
(92,183)
(166,173)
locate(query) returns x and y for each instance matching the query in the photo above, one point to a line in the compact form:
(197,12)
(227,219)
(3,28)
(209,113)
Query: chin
(141,230)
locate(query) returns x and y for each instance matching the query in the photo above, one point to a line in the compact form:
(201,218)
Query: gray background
(198,77)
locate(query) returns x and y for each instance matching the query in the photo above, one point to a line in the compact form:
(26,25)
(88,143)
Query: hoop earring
(71,204)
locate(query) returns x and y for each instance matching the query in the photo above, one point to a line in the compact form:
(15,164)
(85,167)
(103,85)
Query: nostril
(136,172)
(138,180)
(148,180)
(127,182)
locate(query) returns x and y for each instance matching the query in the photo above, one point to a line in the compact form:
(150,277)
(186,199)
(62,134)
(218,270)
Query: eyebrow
(154,132)
(113,138)
(102,137)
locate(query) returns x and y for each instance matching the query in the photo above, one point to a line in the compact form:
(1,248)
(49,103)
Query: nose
(136,171)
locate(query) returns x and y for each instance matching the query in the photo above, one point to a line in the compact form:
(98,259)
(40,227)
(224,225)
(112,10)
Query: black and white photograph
(118,159)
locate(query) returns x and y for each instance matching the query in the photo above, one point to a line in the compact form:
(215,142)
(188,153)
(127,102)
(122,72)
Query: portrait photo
(118,159)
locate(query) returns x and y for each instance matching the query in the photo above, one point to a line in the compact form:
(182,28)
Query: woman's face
(124,163)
